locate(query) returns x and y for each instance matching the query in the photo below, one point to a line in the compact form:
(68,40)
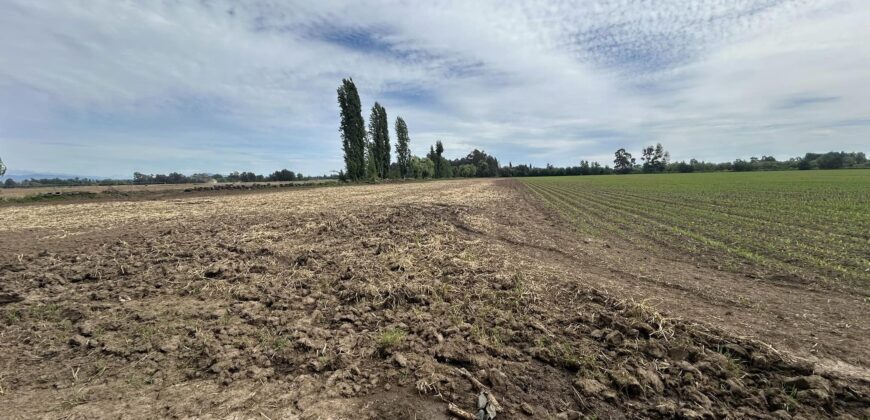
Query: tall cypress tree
(353,130)
(380,137)
(385,144)
(403,150)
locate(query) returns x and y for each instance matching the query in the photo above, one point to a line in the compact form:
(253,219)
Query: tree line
(139,178)
(367,150)
(177,178)
(367,154)
(654,159)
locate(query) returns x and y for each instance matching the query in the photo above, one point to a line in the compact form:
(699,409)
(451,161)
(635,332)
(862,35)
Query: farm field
(20,194)
(792,226)
(402,301)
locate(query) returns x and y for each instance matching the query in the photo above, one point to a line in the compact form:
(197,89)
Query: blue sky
(108,87)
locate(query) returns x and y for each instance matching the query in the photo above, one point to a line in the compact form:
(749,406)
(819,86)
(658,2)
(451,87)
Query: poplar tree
(380,137)
(403,150)
(435,155)
(353,130)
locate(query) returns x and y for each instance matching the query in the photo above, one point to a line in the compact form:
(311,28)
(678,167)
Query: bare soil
(16,195)
(394,301)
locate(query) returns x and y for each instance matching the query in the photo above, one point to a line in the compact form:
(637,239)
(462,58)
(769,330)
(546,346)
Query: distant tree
(436,156)
(403,150)
(379,134)
(484,164)
(422,168)
(804,164)
(10,183)
(684,167)
(353,130)
(831,160)
(741,165)
(623,162)
(282,175)
(371,159)
(655,159)
(466,171)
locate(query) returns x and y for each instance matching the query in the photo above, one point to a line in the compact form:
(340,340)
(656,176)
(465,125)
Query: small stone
(614,339)
(626,383)
(86,329)
(589,386)
(169,345)
(400,360)
(79,341)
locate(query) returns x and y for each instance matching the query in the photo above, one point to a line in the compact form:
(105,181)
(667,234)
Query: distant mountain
(19,175)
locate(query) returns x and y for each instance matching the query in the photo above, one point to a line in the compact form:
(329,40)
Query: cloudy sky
(108,87)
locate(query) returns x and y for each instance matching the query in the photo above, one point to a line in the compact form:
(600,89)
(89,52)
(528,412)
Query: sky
(109,87)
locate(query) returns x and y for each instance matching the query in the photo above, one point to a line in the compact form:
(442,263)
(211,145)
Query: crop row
(767,224)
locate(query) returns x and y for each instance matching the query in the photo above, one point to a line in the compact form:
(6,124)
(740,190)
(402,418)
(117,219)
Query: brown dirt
(371,302)
(139,190)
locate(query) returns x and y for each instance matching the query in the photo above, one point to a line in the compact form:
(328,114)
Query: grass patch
(390,339)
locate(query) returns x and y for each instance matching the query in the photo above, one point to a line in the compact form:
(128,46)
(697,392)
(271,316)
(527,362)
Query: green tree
(371,160)
(623,162)
(282,175)
(422,167)
(403,150)
(436,156)
(380,139)
(2,168)
(467,170)
(655,159)
(353,130)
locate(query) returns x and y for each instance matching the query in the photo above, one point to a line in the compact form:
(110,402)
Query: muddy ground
(398,301)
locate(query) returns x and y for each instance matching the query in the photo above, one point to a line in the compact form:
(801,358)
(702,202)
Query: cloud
(221,85)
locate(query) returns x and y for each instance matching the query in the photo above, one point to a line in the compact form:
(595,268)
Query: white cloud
(147,85)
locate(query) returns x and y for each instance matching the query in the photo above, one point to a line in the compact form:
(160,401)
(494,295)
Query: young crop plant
(810,225)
